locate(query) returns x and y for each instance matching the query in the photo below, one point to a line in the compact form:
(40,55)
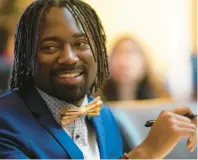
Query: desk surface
(132,117)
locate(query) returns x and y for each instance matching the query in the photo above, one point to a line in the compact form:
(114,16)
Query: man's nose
(68,56)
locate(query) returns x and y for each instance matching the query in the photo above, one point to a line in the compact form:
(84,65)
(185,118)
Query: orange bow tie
(92,109)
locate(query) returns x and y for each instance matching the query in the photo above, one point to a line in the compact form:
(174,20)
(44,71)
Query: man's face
(65,67)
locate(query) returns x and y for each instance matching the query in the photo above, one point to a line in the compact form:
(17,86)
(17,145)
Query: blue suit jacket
(28,130)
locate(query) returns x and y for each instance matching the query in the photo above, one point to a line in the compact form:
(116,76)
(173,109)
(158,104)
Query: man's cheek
(43,68)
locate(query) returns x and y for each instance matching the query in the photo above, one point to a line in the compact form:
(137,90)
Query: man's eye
(82,44)
(50,48)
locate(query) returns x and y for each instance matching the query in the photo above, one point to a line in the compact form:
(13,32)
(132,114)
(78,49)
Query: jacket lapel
(38,107)
(98,124)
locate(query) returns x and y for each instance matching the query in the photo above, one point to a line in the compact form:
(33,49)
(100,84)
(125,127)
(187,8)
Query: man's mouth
(70,78)
(69,75)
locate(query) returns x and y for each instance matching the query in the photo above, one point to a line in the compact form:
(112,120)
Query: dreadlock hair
(28,34)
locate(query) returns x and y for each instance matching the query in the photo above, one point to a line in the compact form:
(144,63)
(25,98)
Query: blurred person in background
(130,73)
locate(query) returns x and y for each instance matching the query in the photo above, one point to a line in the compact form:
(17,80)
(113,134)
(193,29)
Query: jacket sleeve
(10,147)
(9,151)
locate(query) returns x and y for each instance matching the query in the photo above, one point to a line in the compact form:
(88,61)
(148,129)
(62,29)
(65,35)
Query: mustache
(69,69)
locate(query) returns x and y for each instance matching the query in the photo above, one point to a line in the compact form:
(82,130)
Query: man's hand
(166,132)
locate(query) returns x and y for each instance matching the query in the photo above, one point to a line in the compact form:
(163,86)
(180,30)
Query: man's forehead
(57,17)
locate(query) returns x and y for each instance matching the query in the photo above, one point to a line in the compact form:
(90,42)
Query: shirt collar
(56,106)
(47,97)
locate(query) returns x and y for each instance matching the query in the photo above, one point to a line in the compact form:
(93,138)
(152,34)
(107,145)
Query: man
(60,58)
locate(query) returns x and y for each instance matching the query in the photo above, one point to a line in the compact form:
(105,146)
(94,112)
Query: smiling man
(65,65)
(60,59)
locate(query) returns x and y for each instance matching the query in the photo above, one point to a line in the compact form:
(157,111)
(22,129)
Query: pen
(151,122)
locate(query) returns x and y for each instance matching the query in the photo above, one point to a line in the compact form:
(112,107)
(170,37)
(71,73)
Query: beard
(70,93)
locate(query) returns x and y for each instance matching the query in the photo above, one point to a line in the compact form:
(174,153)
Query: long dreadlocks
(28,34)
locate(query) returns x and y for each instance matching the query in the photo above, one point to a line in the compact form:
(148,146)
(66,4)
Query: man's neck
(79,103)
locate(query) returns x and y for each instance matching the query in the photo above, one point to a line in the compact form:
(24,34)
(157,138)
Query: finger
(186,125)
(182,118)
(193,141)
(181,110)
(189,143)
(185,132)
(192,148)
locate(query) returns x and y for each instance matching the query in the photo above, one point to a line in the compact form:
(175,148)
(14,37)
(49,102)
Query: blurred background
(152,47)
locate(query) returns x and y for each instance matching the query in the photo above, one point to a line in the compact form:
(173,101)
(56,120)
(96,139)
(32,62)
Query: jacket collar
(41,112)
(43,115)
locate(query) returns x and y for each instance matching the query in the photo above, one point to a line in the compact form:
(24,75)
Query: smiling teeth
(70,75)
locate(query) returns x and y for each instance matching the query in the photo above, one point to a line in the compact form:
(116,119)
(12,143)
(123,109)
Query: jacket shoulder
(10,100)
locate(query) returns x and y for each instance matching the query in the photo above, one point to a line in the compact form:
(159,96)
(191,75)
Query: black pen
(151,122)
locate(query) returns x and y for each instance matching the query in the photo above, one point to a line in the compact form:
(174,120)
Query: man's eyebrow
(78,35)
(52,38)
(55,38)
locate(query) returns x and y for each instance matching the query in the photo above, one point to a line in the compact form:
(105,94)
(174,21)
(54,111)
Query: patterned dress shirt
(81,130)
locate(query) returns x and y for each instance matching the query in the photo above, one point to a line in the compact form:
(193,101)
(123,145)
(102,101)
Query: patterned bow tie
(92,109)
